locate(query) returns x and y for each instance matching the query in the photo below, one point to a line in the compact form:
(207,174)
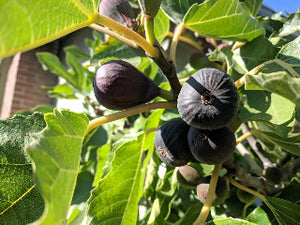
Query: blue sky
(289,6)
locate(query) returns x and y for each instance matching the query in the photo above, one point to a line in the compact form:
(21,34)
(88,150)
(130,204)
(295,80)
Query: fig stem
(245,136)
(240,82)
(140,40)
(187,40)
(168,95)
(244,213)
(128,112)
(237,44)
(149,29)
(174,43)
(111,33)
(210,195)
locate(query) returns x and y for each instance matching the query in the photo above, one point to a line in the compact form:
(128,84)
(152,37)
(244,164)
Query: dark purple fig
(171,143)
(119,85)
(221,193)
(211,146)
(188,176)
(118,10)
(208,99)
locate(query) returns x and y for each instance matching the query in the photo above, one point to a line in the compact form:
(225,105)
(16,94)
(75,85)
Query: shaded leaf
(176,9)
(191,214)
(20,201)
(229,221)
(285,212)
(55,153)
(208,20)
(291,191)
(36,24)
(252,7)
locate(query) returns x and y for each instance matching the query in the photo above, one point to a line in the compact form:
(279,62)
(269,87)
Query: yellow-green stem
(149,29)
(188,41)
(111,33)
(210,196)
(174,43)
(244,213)
(128,112)
(245,136)
(140,40)
(240,82)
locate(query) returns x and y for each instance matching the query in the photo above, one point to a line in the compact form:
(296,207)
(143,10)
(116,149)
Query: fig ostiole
(171,143)
(211,146)
(119,85)
(208,99)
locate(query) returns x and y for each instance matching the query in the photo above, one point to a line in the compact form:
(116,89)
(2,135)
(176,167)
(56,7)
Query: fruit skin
(211,146)
(188,176)
(119,85)
(171,143)
(118,10)
(208,99)
(221,192)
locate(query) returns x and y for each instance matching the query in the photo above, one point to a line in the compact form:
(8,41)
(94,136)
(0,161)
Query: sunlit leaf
(162,26)
(55,153)
(20,201)
(29,24)
(292,24)
(259,216)
(208,20)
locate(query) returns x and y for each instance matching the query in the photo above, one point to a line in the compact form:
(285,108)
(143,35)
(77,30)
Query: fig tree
(188,176)
(171,143)
(211,146)
(273,175)
(118,10)
(208,99)
(221,192)
(119,85)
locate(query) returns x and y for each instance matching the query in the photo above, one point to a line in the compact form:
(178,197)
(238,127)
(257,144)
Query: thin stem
(246,207)
(149,29)
(237,45)
(140,40)
(175,39)
(111,33)
(128,112)
(188,41)
(245,136)
(240,82)
(255,168)
(168,95)
(210,196)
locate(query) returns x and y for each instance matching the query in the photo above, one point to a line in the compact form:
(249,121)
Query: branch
(128,112)
(176,36)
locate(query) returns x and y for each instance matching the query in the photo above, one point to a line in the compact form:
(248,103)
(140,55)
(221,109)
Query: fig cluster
(207,103)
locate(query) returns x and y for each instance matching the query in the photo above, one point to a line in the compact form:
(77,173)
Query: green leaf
(291,25)
(115,199)
(20,201)
(29,24)
(291,143)
(78,71)
(77,52)
(289,55)
(229,221)
(102,157)
(208,20)
(112,49)
(55,153)
(52,63)
(290,192)
(61,91)
(162,26)
(259,216)
(176,9)
(191,214)
(285,212)
(252,7)
(266,106)
(150,7)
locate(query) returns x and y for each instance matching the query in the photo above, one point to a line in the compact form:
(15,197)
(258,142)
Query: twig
(255,168)
(210,196)
(188,41)
(175,39)
(128,112)
(245,136)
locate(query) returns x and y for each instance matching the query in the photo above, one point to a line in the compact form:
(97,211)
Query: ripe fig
(118,10)
(208,99)
(119,85)
(188,176)
(211,146)
(171,143)
(221,192)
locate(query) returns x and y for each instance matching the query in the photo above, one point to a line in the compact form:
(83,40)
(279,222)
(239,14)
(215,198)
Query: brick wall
(24,79)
